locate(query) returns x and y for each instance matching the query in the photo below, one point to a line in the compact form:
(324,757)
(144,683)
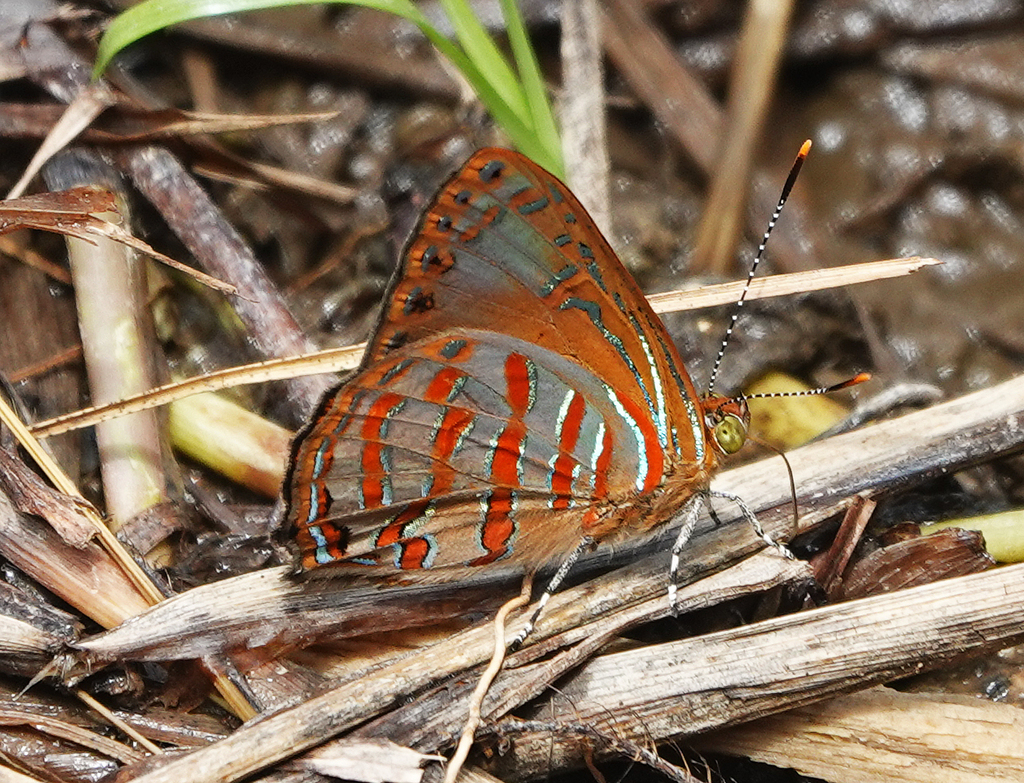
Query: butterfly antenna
(860,377)
(786,189)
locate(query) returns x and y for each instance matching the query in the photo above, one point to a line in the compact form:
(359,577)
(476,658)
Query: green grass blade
(535,90)
(480,61)
(478,45)
(148,17)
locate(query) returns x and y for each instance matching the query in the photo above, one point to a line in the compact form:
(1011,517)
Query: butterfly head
(727,418)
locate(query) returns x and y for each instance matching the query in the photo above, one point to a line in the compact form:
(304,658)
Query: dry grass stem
(339,359)
(762,41)
(582,110)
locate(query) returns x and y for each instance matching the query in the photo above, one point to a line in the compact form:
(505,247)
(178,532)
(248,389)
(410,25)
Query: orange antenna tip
(856,379)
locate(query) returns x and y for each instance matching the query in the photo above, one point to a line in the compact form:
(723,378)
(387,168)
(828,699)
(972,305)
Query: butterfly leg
(751,517)
(563,571)
(689,513)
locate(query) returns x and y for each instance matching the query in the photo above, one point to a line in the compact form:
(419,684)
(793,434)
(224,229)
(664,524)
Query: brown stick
(670,690)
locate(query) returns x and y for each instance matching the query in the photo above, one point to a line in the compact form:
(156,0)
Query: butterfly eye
(730,434)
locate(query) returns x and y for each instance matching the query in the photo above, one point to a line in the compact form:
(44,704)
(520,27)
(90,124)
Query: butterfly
(518,397)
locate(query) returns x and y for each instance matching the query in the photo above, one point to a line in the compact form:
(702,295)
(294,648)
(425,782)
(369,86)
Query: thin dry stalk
(667,691)
(193,216)
(691,116)
(117,342)
(347,358)
(581,110)
(762,41)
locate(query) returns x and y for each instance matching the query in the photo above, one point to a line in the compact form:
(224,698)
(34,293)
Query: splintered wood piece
(882,734)
(664,692)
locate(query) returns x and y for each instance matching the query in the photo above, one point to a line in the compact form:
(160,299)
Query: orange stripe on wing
(508,450)
(455,423)
(335,544)
(520,384)
(498,528)
(652,452)
(415,554)
(394,531)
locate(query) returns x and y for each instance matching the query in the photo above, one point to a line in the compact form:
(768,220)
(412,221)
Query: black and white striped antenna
(737,309)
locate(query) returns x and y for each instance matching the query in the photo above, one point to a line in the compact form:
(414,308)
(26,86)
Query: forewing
(505,246)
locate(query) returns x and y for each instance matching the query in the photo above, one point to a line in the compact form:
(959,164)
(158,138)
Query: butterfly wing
(517,390)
